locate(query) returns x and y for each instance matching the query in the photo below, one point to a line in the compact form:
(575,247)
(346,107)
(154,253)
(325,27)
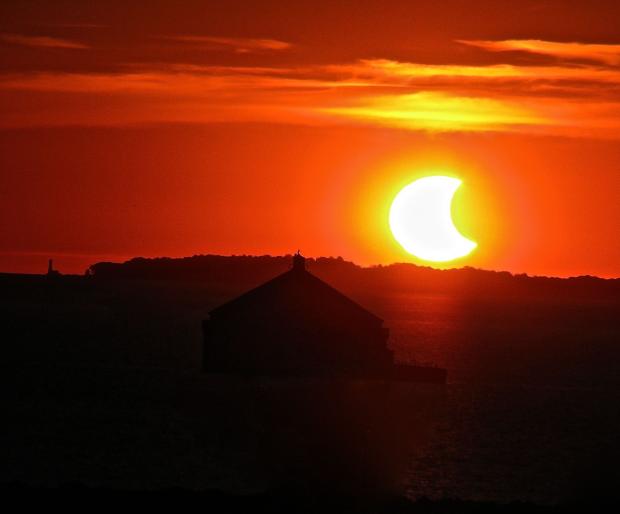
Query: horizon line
(289,255)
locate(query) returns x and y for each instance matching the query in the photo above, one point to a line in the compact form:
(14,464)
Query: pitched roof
(296,287)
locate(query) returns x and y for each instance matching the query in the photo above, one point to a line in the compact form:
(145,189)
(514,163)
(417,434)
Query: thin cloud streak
(603,53)
(238,45)
(42,42)
(173,83)
(395,72)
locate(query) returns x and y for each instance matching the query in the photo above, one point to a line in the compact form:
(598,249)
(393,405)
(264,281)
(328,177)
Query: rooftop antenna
(299,261)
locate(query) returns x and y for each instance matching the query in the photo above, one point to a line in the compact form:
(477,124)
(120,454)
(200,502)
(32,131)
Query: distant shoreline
(420,268)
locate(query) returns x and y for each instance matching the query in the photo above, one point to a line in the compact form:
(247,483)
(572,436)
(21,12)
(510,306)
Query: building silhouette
(295,324)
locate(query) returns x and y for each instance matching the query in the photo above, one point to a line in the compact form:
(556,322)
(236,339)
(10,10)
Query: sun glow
(440,112)
(421,220)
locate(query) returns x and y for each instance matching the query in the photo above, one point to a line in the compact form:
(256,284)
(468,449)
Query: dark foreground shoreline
(278,501)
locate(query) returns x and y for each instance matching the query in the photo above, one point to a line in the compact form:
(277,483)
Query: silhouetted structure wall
(295,324)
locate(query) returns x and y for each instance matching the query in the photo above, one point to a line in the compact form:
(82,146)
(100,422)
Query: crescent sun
(421,220)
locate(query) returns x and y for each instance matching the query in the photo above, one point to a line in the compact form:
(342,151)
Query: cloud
(238,45)
(42,42)
(403,73)
(603,53)
(566,99)
(179,82)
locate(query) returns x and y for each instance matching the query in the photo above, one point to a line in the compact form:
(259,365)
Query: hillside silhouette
(398,277)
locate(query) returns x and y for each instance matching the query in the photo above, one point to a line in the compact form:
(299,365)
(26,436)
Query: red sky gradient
(177,128)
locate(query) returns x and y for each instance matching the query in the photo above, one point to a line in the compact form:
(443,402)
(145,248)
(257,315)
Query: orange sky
(177,128)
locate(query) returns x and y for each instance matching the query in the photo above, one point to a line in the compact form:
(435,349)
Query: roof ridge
(342,295)
(287,275)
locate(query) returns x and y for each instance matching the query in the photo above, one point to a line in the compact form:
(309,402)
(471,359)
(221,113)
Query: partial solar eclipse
(421,220)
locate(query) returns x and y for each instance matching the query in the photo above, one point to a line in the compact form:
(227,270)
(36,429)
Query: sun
(421,220)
